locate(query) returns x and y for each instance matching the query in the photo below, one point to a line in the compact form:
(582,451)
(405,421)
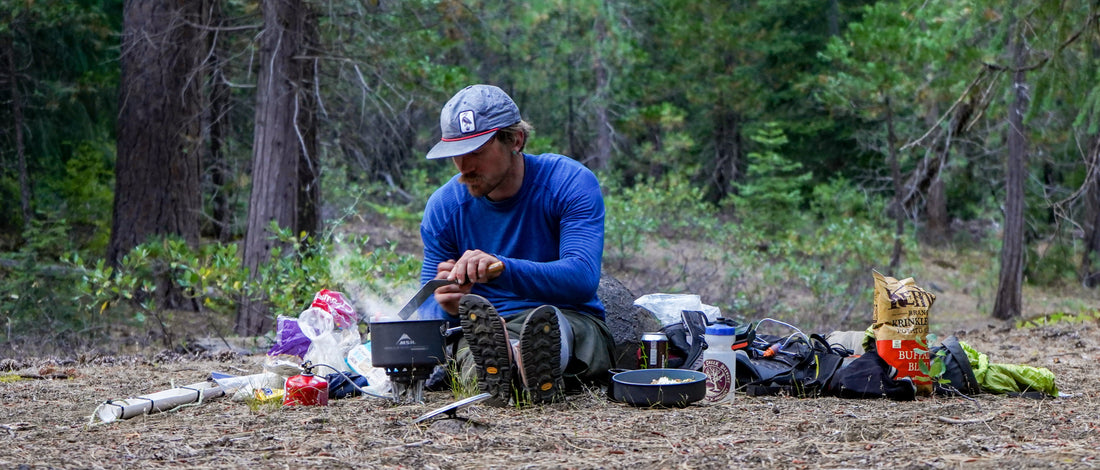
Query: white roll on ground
(156,402)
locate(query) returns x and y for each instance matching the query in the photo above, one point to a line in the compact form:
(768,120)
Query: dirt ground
(49,403)
(46,422)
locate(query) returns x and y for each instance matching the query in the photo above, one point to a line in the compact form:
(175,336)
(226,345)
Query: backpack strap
(828,361)
(696,323)
(957,370)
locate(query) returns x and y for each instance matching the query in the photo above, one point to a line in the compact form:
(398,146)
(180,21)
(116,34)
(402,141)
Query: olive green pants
(591,349)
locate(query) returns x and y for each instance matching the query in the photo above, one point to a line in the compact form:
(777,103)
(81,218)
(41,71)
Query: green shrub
(11,213)
(797,251)
(815,272)
(87,193)
(212,277)
(1051,263)
(1085,315)
(292,277)
(804,259)
(839,199)
(37,305)
(652,208)
(663,143)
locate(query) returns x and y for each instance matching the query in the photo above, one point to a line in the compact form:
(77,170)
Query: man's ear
(521,141)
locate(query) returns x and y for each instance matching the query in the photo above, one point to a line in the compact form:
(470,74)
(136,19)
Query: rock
(626,321)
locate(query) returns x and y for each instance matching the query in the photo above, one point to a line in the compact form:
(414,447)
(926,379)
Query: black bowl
(637,387)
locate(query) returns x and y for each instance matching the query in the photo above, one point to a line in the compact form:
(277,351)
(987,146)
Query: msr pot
(408,351)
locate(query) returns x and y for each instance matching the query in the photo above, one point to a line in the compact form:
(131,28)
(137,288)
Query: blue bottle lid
(721,330)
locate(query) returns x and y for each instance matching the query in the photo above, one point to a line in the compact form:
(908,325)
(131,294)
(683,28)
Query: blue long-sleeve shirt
(549,236)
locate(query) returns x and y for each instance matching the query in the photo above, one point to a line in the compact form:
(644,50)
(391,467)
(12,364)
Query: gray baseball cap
(471,118)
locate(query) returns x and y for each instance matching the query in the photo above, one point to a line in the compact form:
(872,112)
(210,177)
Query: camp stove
(408,351)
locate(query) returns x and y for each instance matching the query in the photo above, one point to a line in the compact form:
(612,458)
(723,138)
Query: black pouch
(340,384)
(871,377)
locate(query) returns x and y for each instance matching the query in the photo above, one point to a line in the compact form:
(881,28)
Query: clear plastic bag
(669,307)
(327,346)
(276,370)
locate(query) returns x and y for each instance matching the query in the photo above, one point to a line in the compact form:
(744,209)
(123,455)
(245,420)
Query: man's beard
(477,185)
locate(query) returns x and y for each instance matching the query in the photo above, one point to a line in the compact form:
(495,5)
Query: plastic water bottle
(720,363)
(306,389)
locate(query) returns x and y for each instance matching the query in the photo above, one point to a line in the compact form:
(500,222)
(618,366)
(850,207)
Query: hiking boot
(541,348)
(489,345)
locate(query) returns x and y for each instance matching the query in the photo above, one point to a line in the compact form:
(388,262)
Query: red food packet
(343,314)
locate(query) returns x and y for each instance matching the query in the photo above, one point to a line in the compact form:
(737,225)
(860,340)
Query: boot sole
(485,333)
(540,346)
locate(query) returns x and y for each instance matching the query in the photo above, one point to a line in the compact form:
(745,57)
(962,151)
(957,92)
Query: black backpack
(871,377)
(798,365)
(957,370)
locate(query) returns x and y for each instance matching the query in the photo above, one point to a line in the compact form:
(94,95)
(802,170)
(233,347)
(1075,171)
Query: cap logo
(466,122)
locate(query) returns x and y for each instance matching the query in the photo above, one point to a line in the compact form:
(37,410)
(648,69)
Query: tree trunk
(602,157)
(1090,270)
(309,165)
(157,171)
(1009,301)
(216,122)
(1090,259)
(727,142)
(834,18)
(936,211)
(571,124)
(17,124)
(217,164)
(280,143)
(895,173)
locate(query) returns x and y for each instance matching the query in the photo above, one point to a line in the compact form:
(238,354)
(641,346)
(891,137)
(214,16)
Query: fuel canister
(306,389)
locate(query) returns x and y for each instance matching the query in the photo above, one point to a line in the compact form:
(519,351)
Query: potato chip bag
(901,319)
(343,313)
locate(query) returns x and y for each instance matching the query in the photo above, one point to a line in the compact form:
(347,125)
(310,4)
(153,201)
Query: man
(537,323)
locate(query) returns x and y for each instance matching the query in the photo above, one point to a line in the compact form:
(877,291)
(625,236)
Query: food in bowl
(667,381)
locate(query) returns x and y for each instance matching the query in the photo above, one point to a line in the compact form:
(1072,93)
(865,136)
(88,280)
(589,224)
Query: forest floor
(46,422)
(48,414)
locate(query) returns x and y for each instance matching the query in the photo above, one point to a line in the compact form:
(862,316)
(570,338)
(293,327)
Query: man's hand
(472,267)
